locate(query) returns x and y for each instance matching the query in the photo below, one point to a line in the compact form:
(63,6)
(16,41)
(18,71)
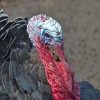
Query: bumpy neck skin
(59,75)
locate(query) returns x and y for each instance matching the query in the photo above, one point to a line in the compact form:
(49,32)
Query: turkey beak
(60,51)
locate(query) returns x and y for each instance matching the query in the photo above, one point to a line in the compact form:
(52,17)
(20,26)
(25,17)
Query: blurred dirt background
(80,20)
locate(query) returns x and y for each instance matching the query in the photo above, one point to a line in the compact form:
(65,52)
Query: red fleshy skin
(61,79)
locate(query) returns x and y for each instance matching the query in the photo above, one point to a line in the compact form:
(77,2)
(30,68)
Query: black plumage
(12,35)
(22,76)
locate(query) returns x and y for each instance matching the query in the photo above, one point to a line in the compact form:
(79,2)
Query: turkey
(32,62)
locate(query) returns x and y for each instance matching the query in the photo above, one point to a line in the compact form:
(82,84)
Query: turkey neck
(59,75)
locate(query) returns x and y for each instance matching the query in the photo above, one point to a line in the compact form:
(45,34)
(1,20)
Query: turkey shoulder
(22,73)
(24,77)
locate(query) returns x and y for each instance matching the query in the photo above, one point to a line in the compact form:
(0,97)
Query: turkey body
(22,75)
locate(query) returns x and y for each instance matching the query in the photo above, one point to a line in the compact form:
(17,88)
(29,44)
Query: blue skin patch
(46,37)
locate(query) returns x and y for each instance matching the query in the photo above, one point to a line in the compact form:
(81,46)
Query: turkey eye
(47,35)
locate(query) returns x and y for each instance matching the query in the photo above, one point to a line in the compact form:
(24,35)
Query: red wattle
(59,75)
(71,83)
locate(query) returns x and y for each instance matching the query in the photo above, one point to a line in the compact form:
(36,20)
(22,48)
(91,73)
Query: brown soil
(80,20)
